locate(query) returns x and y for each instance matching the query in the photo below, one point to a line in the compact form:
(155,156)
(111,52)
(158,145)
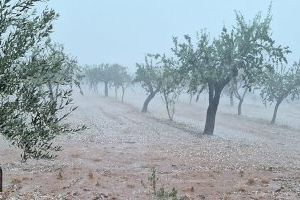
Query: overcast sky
(123,31)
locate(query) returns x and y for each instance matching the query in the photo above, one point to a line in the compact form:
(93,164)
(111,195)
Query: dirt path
(114,157)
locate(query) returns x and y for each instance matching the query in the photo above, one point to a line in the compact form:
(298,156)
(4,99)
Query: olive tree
(64,69)
(248,46)
(31,116)
(149,76)
(280,84)
(45,100)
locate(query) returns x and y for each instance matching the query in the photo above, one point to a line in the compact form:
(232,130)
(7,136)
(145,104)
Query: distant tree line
(113,75)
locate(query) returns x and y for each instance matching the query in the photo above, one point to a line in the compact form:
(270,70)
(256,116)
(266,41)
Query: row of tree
(280,84)
(36,79)
(241,58)
(113,75)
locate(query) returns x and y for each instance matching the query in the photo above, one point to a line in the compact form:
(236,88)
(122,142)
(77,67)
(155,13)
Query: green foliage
(239,88)
(247,47)
(91,76)
(171,84)
(281,83)
(153,180)
(115,75)
(37,107)
(119,78)
(149,74)
(99,73)
(31,112)
(162,193)
(119,75)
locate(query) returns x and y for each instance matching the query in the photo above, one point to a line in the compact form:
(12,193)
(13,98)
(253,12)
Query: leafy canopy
(30,68)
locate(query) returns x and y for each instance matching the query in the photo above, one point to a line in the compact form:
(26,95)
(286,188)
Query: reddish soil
(113,158)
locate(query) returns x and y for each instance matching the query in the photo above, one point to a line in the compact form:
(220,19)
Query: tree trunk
(123,93)
(199,92)
(191,98)
(116,93)
(1,178)
(210,119)
(241,100)
(231,99)
(51,94)
(168,106)
(214,99)
(106,88)
(56,91)
(147,101)
(275,112)
(240,107)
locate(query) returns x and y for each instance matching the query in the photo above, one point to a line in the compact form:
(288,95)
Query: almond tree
(229,91)
(248,47)
(194,88)
(105,76)
(126,81)
(240,93)
(149,76)
(199,92)
(118,76)
(171,84)
(91,76)
(111,75)
(281,84)
(99,73)
(239,89)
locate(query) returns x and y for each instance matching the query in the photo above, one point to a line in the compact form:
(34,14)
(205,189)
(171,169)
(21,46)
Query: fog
(124,31)
(87,111)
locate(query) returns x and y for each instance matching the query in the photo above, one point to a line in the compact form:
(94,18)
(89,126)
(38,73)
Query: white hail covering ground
(247,158)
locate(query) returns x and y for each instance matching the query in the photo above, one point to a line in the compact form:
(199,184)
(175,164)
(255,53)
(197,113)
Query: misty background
(220,121)
(117,31)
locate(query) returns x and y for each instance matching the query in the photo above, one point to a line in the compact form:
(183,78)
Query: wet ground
(246,159)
